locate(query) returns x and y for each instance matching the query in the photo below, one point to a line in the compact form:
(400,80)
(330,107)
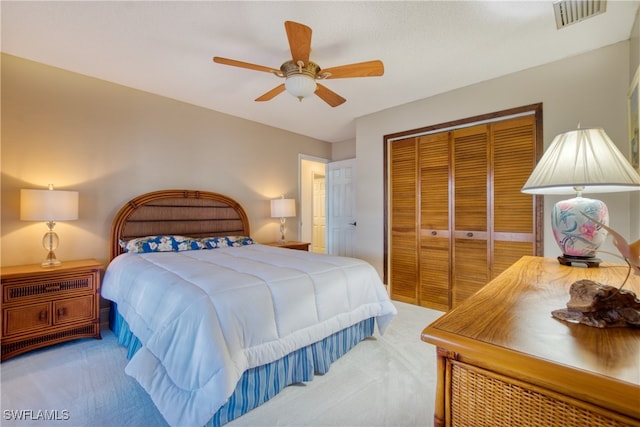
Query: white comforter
(205,316)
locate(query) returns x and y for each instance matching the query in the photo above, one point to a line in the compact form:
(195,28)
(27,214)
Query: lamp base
(283,230)
(577,236)
(591,262)
(51,260)
(50,242)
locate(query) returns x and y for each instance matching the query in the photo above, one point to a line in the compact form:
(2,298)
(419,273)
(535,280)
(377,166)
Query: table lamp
(283,208)
(580,161)
(50,206)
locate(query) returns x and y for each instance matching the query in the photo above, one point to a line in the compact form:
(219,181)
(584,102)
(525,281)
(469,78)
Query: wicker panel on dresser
(483,398)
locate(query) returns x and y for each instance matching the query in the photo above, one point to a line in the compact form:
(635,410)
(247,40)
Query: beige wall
(634,67)
(112,143)
(343,150)
(634,46)
(589,89)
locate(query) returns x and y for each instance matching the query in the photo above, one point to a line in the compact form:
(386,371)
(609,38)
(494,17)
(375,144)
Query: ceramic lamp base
(578,237)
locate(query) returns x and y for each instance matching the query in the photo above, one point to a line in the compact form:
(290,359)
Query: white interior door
(341,218)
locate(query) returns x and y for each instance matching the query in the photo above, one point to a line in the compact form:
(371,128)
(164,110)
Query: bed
(217,324)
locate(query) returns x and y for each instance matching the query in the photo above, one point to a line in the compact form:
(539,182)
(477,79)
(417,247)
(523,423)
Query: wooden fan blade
(361,69)
(299,37)
(271,94)
(248,65)
(329,96)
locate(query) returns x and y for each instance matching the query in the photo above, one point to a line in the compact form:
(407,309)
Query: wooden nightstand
(290,244)
(44,306)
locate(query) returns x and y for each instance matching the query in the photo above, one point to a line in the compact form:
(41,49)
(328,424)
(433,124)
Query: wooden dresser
(503,360)
(44,306)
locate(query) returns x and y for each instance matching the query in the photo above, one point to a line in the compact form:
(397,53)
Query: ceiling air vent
(571,11)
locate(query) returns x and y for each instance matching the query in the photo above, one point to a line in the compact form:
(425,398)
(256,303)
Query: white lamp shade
(300,85)
(584,158)
(283,208)
(48,205)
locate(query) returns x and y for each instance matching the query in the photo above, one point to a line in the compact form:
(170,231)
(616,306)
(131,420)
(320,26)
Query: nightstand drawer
(23,319)
(74,309)
(61,284)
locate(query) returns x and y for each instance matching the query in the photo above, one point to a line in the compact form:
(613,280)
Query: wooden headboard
(181,212)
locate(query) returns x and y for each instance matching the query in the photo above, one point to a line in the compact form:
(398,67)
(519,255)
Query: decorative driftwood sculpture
(603,306)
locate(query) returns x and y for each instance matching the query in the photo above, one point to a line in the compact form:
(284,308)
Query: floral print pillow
(221,242)
(170,243)
(161,243)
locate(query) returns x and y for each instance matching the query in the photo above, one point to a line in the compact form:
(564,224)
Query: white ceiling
(428,47)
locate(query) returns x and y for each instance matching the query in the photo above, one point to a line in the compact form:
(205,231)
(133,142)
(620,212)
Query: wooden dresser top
(509,323)
(36,270)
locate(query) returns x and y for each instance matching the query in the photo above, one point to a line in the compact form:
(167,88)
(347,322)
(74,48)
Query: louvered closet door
(434,221)
(457,216)
(513,220)
(470,270)
(403,256)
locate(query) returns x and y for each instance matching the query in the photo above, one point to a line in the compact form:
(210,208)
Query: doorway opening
(313,211)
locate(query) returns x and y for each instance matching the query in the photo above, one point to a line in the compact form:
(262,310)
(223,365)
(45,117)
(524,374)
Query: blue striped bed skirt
(257,385)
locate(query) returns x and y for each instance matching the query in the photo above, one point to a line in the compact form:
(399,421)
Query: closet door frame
(538,201)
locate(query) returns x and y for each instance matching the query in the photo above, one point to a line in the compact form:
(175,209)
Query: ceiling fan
(301,74)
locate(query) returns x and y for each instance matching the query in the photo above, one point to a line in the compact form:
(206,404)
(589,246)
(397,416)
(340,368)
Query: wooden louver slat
(470,178)
(513,162)
(403,250)
(435,227)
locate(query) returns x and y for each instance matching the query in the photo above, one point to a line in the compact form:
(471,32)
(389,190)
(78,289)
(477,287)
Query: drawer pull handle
(61,311)
(52,288)
(434,233)
(469,234)
(42,316)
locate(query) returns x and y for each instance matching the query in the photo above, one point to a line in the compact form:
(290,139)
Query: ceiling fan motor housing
(311,69)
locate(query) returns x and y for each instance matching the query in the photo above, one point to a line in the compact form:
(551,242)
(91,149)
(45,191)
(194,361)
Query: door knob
(353,223)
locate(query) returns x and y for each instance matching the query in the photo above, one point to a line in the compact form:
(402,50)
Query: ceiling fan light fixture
(300,85)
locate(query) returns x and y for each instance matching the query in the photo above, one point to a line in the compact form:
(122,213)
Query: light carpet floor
(385,380)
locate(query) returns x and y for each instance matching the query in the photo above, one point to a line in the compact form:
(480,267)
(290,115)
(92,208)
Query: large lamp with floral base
(580,161)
